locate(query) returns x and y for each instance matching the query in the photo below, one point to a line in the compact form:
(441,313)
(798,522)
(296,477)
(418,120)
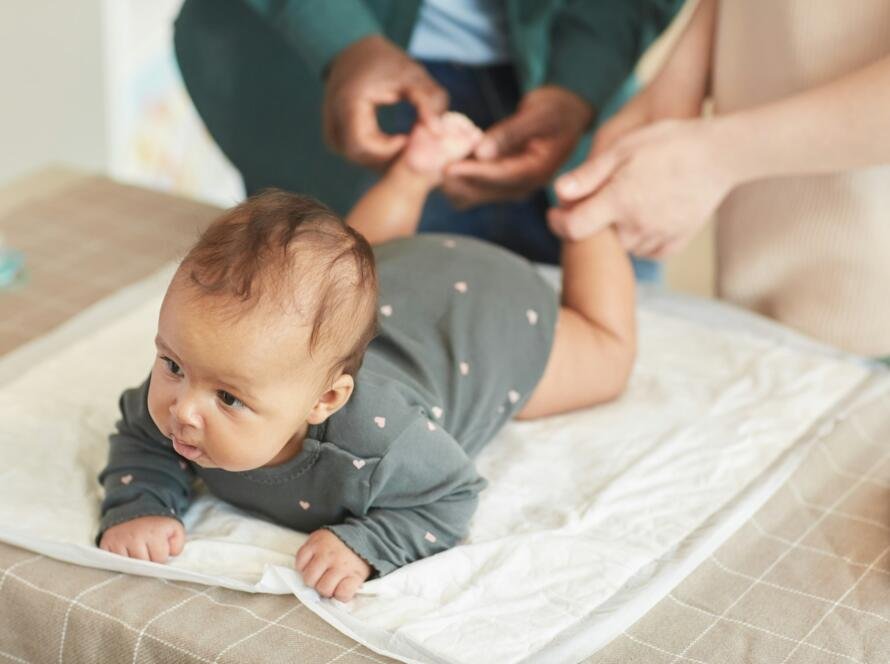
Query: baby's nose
(185,413)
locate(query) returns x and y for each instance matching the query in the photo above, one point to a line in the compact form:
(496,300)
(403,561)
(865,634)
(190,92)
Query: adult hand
(331,567)
(522,152)
(154,538)
(658,185)
(374,72)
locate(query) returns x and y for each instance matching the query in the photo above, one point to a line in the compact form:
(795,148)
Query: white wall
(52,100)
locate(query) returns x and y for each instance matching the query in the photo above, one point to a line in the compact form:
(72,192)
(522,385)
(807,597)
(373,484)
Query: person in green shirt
(302,94)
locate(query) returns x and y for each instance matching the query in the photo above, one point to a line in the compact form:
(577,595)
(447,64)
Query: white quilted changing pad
(589,520)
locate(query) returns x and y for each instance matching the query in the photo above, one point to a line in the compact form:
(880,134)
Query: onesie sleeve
(144,475)
(422,495)
(318,29)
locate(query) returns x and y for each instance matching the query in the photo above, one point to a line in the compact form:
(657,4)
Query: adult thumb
(428,97)
(586,178)
(507,136)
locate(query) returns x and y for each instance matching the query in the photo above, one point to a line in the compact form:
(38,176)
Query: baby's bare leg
(595,340)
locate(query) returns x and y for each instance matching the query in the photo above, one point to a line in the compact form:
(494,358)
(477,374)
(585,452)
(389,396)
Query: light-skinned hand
(658,185)
(522,152)
(153,538)
(331,567)
(369,73)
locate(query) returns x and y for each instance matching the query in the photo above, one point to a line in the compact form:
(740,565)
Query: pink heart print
(126,479)
(532,316)
(386,310)
(380,421)
(461,286)
(429,537)
(358,463)
(451,244)
(464,368)
(513,396)
(305,505)
(437,412)
(430,426)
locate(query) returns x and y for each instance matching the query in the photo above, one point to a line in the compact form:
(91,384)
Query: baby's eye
(172,367)
(229,399)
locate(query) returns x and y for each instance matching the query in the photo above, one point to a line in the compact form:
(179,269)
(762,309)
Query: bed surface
(805,580)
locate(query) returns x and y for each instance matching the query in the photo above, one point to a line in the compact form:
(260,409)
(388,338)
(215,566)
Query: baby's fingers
(314,571)
(329,582)
(158,549)
(138,549)
(304,555)
(176,540)
(347,588)
(112,546)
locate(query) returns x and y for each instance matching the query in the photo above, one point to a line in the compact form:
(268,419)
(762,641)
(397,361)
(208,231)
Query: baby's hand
(432,148)
(154,538)
(329,566)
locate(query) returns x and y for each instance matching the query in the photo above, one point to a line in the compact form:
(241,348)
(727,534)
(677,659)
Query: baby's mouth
(190,452)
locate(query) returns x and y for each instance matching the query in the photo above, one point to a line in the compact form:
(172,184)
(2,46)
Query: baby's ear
(332,400)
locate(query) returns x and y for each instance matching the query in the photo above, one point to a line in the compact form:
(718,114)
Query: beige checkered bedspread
(806,581)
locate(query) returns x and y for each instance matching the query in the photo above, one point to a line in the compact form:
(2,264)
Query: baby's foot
(432,148)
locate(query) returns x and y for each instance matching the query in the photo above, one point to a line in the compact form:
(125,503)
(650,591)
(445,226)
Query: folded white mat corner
(589,519)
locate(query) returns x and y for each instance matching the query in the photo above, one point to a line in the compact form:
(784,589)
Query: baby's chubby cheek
(158,407)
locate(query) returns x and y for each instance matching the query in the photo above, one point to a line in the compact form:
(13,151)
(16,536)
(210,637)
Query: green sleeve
(144,476)
(318,29)
(595,44)
(422,496)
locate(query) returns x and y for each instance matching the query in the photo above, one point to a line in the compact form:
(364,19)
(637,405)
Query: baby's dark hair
(292,251)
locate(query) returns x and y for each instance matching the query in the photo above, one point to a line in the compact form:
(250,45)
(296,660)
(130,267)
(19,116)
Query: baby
(344,392)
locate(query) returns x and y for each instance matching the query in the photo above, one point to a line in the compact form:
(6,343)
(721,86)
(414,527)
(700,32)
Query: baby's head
(261,331)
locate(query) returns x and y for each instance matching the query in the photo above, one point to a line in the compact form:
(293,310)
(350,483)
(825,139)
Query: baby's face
(231,393)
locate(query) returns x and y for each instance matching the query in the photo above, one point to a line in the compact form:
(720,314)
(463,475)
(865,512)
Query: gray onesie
(465,332)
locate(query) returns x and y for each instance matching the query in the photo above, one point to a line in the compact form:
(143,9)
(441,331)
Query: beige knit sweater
(812,252)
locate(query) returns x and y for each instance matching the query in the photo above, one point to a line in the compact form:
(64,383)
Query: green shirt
(465,332)
(254,69)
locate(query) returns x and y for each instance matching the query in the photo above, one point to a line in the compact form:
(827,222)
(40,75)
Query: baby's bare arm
(595,341)
(392,207)
(154,538)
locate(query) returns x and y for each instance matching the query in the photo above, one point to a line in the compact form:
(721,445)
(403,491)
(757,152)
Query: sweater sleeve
(144,475)
(318,29)
(422,495)
(595,44)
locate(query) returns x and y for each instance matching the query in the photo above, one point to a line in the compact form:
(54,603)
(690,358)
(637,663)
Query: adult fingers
(525,170)
(628,237)
(362,140)
(586,178)
(464,193)
(669,248)
(508,135)
(428,97)
(585,218)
